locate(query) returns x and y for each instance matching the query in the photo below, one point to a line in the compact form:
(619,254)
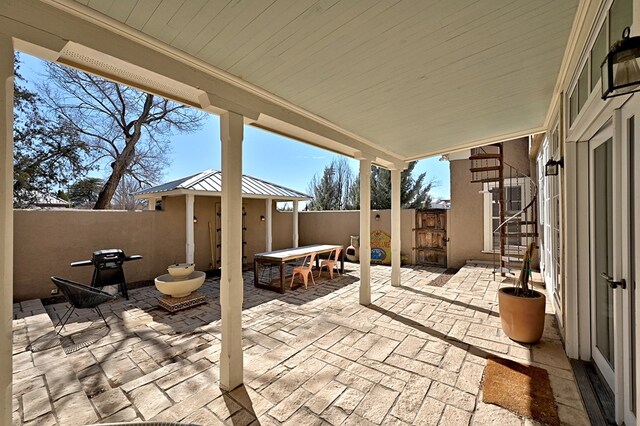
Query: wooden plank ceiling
(416,77)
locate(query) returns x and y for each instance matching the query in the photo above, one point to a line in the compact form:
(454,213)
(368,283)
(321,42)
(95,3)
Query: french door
(614,164)
(603,318)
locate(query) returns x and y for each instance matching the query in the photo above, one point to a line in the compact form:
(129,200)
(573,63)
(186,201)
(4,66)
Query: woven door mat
(524,390)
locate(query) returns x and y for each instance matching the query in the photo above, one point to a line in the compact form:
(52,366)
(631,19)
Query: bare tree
(330,189)
(122,126)
(123,199)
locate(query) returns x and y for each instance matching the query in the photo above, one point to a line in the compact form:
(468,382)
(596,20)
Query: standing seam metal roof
(211,181)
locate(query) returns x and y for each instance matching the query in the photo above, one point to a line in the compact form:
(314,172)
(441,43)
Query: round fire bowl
(180,271)
(173,287)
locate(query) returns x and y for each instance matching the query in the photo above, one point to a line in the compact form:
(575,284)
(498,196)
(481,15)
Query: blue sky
(266,156)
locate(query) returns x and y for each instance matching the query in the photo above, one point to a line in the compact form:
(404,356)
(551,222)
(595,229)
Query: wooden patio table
(280,257)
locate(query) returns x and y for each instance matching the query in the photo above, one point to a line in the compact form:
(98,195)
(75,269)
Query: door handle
(612,283)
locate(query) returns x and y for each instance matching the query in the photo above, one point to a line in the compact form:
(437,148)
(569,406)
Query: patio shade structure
(209,184)
(383,84)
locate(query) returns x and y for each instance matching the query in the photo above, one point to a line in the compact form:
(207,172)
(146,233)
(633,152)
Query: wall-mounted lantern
(262,218)
(377,217)
(552,168)
(620,70)
(195,219)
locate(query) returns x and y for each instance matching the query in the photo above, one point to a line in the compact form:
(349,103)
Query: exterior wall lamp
(620,70)
(552,168)
(262,218)
(377,217)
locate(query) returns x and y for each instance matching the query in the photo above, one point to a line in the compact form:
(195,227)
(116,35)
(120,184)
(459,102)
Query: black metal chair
(80,296)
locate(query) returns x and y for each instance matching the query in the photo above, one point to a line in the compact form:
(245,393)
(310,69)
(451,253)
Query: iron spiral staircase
(516,227)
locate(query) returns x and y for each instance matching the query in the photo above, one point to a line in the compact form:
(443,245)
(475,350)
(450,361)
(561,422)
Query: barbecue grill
(108,268)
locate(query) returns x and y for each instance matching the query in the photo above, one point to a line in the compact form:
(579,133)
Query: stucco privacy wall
(47,241)
(335,227)
(465,228)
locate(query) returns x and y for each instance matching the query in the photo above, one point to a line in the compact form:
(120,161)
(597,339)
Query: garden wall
(47,241)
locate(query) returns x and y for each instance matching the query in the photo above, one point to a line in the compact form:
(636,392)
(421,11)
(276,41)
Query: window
(620,17)
(516,196)
(579,94)
(550,213)
(598,53)
(583,87)
(573,105)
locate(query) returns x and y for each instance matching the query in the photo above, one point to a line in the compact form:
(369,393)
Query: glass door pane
(603,249)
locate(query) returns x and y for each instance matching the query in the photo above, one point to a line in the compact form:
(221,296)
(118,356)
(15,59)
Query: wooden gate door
(431,237)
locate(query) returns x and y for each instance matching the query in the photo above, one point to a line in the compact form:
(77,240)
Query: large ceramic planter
(522,317)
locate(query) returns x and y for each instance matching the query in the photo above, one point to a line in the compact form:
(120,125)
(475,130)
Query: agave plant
(522,285)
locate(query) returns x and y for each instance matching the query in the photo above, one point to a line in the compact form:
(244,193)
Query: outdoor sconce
(262,218)
(377,217)
(620,70)
(552,168)
(195,219)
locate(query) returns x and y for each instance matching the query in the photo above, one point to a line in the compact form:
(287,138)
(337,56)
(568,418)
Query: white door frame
(629,161)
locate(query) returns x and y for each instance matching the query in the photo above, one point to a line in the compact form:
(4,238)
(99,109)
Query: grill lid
(108,255)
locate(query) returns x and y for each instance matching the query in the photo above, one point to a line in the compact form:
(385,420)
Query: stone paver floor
(416,355)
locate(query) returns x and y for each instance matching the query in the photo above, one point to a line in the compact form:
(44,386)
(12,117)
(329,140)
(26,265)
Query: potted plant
(522,307)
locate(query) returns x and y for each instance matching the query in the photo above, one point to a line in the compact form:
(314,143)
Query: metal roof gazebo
(209,183)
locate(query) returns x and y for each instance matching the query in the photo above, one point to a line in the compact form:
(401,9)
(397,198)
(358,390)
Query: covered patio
(384,84)
(415,355)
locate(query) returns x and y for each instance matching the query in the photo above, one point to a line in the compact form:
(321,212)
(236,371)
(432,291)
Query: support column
(6,226)
(151,203)
(365,230)
(190,245)
(231,284)
(269,222)
(295,224)
(395,227)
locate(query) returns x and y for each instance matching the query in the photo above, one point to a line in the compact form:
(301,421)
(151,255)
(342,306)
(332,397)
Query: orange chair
(305,270)
(331,263)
